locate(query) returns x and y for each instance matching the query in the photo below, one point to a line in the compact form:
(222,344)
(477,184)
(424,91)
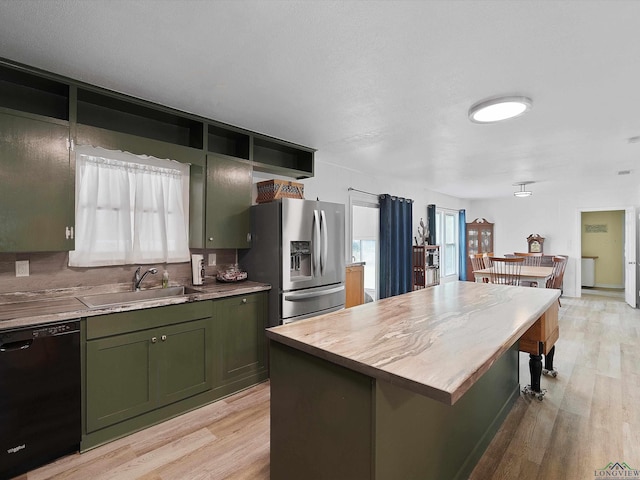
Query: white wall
(331,183)
(555,217)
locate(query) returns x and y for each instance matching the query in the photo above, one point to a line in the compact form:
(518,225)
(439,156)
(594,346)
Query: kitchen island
(413,386)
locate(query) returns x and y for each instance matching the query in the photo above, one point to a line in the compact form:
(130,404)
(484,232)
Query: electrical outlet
(212,259)
(22,268)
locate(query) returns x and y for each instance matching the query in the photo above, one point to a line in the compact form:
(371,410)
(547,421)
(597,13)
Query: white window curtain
(129,209)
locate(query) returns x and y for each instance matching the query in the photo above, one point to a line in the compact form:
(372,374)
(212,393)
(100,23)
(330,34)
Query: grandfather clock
(536,243)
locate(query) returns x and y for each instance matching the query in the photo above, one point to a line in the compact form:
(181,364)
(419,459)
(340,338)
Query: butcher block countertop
(32,308)
(436,342)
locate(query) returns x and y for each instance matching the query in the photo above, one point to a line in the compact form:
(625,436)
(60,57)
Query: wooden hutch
(479,239)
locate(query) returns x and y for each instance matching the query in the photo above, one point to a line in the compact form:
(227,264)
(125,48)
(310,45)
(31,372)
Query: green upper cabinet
(42,113)
(36,184)
(228,199)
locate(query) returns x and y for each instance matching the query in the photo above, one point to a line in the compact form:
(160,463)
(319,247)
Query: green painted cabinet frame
(37,184)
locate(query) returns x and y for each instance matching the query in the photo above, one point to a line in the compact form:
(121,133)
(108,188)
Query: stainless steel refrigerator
(297,247)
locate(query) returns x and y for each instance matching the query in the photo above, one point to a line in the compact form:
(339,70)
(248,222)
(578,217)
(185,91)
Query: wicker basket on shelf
(273,189)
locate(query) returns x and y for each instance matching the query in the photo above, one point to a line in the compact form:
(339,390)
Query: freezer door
(311,300)
(312,244)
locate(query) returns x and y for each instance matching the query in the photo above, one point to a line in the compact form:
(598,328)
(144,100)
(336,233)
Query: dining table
(537,276)
(539,340)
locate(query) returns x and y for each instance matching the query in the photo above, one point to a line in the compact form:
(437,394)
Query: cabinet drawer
(123,322)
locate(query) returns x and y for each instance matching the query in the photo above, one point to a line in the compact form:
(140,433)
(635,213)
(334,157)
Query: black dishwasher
(39,395)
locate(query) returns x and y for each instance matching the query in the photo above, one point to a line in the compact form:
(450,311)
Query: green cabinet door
(184,368)
(240,330)
(36,185)
(228,199)
(120,380)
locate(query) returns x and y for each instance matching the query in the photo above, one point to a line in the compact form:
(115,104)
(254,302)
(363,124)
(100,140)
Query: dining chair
(477,263)
(559,266)
(506,271)
(486,258)
(530,259)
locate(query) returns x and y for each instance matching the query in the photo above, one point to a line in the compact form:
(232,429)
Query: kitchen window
(130,209)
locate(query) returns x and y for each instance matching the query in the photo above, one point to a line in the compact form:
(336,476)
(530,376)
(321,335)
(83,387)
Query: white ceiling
(382,87)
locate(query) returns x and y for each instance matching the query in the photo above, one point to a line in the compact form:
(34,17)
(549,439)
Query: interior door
(630,225)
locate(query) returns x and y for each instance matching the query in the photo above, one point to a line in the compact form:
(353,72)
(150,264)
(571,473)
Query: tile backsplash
(49,270)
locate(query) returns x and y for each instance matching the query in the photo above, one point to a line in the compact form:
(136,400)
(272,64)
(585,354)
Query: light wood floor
(590,417)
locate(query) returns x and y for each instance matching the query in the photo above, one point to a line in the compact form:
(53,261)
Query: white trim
(577,250)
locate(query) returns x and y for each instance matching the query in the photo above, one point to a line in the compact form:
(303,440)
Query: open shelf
(426,266)
(30,93)
(116,120)
(117,114)
(273,156)
(228,142)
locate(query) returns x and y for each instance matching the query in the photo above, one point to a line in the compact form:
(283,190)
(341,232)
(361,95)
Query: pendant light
(522,192)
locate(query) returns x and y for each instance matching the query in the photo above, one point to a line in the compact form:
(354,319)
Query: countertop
(33,308)
(437,341)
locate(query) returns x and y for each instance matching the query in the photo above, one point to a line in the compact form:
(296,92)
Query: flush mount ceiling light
(498,109)
(522,192)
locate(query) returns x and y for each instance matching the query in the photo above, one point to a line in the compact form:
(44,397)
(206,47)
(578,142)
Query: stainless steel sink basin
(119,298)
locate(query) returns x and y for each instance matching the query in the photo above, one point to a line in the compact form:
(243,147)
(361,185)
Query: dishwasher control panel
(56,329)
(39,331)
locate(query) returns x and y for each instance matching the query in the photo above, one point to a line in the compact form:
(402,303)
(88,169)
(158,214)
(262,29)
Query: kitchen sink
(119,298)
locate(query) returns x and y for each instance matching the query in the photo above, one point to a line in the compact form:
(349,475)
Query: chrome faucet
(137,279)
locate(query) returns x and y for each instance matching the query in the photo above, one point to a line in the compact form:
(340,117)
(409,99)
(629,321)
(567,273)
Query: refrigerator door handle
(306,295)
(325,241)
(316,242)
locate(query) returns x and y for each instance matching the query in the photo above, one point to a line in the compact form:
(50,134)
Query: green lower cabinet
(241,355)
(145,366)
(135,376)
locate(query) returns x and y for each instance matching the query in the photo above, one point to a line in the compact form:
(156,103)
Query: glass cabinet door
(479,240)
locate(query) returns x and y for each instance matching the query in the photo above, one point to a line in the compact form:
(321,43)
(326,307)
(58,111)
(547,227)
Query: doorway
(608,253)
(365,220)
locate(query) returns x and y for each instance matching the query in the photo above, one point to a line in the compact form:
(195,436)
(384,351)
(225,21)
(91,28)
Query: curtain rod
(362,191)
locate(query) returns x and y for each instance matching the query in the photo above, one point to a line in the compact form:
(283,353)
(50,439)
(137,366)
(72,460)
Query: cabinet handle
(244,300)
(163,338)
(154,339)
(211,239)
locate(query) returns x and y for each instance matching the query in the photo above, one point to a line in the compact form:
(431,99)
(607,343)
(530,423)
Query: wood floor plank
(147,463)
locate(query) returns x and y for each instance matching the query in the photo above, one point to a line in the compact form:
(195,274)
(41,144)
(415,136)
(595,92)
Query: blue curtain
(431,218)
(395,245)
(462,242)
